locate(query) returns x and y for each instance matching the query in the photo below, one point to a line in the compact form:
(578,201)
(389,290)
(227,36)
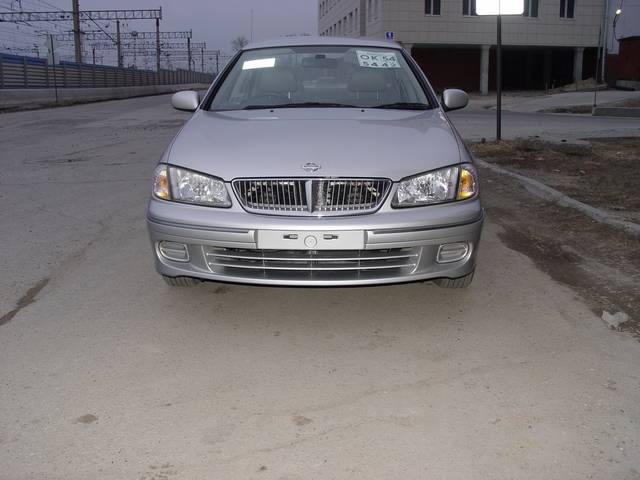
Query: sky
(215,22)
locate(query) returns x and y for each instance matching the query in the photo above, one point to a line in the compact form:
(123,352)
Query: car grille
(312,264)
(291,196)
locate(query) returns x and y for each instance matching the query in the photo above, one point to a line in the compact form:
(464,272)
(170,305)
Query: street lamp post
(499,8)
(603,50)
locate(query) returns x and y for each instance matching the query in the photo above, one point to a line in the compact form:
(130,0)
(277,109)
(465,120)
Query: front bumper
(399,245)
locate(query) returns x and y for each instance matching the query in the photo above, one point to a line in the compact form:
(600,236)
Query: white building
(627,23)
(552,44)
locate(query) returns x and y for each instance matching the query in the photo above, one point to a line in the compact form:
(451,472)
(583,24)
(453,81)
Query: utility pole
(119,43)
(93,51)
(499,79)
(158,45)
(189,52)
(52,50)
(217,62)
(77,38)
(134,34)
(202,59)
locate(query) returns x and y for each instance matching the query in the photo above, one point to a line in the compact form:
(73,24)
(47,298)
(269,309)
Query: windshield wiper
(299,105)
(404,106)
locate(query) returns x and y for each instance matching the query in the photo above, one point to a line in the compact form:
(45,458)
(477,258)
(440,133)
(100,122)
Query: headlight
(444,185)
(180,185)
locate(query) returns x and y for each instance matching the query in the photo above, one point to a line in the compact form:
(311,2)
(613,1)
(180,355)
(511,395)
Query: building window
(469,8)
(530,8)
(567,8)
(432,7)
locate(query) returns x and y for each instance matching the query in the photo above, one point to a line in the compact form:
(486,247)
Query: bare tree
(239,43)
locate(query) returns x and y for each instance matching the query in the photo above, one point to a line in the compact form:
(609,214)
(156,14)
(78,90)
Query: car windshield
(321,77)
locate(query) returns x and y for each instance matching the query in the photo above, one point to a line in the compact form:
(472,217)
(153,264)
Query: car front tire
(180,281)
(461,282)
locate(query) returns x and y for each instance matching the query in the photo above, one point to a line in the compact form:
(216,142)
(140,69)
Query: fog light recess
(452,252)
(177,252)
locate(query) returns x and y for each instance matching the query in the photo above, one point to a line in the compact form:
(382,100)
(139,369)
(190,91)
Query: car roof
(309,40)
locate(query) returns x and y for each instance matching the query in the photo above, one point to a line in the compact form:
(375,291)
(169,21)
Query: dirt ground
(600,262)
(631,102)
(582,109)
(587,109)
(606,178)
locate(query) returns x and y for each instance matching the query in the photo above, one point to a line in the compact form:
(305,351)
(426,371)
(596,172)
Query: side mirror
(187,100)
(453,99)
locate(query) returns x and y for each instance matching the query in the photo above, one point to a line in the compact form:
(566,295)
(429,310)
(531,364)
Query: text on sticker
(377,59)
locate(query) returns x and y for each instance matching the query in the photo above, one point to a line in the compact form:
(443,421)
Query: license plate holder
(310,240)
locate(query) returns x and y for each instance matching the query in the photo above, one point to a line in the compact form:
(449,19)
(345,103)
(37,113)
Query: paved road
(107,373)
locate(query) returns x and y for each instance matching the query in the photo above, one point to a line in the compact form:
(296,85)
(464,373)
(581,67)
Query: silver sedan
(317,161)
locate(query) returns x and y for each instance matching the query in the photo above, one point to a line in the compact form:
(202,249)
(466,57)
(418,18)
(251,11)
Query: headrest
(367,80)
(277,80)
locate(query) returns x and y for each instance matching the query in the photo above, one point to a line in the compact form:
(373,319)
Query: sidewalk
(528,102)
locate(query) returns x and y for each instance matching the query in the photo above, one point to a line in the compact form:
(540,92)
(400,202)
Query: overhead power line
(98,36)
(88,14)
(93,31)
(76,15)
(148,45)
(171,53)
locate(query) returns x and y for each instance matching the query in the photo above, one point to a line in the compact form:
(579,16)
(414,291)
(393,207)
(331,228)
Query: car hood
(343,142)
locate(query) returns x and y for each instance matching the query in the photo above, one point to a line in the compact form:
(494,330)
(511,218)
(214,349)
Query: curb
(633,112)
(547,193)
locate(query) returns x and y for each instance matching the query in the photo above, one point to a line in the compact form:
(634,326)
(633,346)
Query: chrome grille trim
(339,195)
(272,195)
(312,264)
(321,196)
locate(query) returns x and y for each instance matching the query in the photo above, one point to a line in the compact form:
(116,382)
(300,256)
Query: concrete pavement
(110,374)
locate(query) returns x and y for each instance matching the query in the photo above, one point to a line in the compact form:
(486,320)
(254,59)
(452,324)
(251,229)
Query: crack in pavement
(26,300)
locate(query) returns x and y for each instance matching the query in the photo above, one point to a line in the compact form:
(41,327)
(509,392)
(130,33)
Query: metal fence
(28,72)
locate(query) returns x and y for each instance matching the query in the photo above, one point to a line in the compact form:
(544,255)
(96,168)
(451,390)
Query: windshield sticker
(377,59)
(259,63)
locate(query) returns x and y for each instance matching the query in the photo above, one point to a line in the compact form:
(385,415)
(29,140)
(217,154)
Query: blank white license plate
(301,240)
